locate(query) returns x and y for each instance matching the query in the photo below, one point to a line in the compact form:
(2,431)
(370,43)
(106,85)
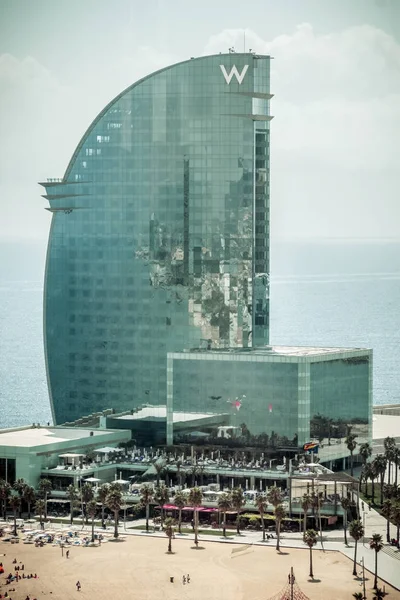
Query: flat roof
(295,351)
(160,412)
(385,425)
(31,437)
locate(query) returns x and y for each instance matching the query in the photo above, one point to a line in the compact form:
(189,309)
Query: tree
(351,446)
(224,504)
(386,512)
(389,444)
(395,516)
(40,509)
(368,473)
(161,495)
(91,510)
(5,492)
(159,468)
(274,496)
(280,513)
(238,501)
(15,505)
(102,494)
(262,504)
(379,594)
(356,531)
(376,544)
(195,499)
(45,486)
(29,497)
(358,596)
(310,538)
(365,451)
(19,486)
(114,503)
(87,495)
(316,501)
(396,460)
(146,497)
(180,502)
(379,464)
(73,497)
(345,502)
(169,531)
(305,505)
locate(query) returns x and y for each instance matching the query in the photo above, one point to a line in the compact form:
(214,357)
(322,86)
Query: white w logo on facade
(234,72)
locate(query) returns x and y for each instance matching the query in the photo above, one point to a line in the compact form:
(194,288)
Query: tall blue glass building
(160,234)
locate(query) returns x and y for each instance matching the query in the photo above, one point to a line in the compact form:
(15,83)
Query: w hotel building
(159,239)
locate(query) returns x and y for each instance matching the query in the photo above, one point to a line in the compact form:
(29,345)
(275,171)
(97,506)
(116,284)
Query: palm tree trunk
(15,522)
(389,471)
(355,559)
(45,505)
(382,477)
(196,528)
(305,522)
(311,565)
(238,524)
(351,464)
(373,490)
(147,516)
(224,524)
(102,515)
(29,510)
(180,520)
(263,526)
(92,530)
(278,531)
(376,571)
(388,530)
(169,544)
(116,513)
(345,527)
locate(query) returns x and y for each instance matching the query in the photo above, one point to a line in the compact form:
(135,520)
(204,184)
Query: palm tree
(15,505)
(5,492)
(159,468)
(280,513)
(358,596)
(29,497)
(305,505)
(262,504)
(386,512)
(365,451)
(389,443)
(102,494)
(373,475)
(238,501)
(19,486)
(45,486)
(161,495)
(345,502)
(195,499)
(310,538)
(87,495)
(274,496)
(73,497)
(375,543)
(40,509)
(114,503)
(379,594)
(169,531)
(396,461)
(91,510)
(351,446)
(146,497)
(356,531)
(224,504)
(368,473)
(379,463)
(180,502)
(395,516)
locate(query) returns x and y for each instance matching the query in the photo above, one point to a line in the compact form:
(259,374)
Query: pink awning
(209,510)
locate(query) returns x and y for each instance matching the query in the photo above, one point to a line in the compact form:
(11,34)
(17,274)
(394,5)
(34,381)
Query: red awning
(209,510)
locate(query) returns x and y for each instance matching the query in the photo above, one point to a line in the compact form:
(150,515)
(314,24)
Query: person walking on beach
(67,554)
(78,586)
(188,578)
(183,579)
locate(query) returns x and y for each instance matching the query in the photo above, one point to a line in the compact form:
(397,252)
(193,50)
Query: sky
(335,166)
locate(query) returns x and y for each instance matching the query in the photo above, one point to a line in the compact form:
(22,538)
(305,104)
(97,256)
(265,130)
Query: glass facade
(160,234)
(274,399)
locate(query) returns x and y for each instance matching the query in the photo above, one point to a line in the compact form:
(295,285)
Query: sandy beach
(140,567)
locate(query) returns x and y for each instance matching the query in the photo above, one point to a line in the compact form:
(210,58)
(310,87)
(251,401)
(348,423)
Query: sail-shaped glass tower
(159,239)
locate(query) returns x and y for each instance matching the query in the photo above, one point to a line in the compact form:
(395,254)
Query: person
(78,586)
(67,554)
(183,579)
(188,578)
(362,506)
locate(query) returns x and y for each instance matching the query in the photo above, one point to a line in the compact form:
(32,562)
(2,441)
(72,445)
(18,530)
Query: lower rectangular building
(275,396)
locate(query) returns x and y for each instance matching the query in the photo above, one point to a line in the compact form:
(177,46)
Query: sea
(323,293)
